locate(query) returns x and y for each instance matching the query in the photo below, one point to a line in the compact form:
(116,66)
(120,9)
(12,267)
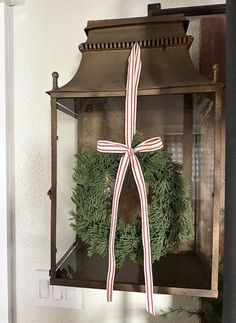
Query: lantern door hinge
(49,193)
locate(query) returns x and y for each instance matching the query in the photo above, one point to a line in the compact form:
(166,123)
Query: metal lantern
(176,103)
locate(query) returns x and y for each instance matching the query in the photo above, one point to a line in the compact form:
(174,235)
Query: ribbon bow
(134,69)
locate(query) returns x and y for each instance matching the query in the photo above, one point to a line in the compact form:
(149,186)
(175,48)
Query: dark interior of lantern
(185,122)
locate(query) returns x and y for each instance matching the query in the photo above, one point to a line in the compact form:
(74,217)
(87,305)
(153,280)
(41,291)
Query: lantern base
(183,273)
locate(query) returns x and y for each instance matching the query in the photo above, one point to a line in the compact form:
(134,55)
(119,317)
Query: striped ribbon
(134,69)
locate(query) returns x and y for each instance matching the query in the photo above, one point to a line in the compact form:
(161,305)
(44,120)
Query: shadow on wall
(15,2)
(132,309)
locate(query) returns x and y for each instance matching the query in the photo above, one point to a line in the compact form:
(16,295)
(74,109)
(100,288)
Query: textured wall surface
(46,36)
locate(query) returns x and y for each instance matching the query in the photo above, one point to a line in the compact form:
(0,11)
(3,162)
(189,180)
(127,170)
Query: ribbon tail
(124,162)
(139,179)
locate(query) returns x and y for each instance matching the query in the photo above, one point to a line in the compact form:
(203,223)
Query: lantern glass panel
(66,149)
(186,124)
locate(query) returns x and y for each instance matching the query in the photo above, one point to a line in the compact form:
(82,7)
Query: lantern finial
(55,76)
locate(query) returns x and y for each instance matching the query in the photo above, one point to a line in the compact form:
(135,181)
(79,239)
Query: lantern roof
(166,62)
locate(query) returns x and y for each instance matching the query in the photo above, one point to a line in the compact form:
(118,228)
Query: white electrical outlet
(55,296)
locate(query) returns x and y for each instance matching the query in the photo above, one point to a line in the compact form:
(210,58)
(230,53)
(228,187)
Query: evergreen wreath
(169,210)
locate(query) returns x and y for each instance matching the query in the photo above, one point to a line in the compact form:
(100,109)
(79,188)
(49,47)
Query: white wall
(4,221)
(46,37)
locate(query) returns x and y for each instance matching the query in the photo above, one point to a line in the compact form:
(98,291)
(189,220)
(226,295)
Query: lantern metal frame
(174,88)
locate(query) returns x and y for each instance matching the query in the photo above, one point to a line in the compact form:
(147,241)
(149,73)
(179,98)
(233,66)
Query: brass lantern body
(176,103)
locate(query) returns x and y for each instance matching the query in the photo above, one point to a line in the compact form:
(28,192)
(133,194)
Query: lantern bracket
(154,9)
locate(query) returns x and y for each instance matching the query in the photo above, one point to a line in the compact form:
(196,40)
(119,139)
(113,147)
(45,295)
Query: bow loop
(149,145)
(105,146)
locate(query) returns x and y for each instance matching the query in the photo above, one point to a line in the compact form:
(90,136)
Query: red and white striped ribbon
(134,69)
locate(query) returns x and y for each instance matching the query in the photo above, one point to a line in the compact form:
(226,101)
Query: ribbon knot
(134,69)
(130,152)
